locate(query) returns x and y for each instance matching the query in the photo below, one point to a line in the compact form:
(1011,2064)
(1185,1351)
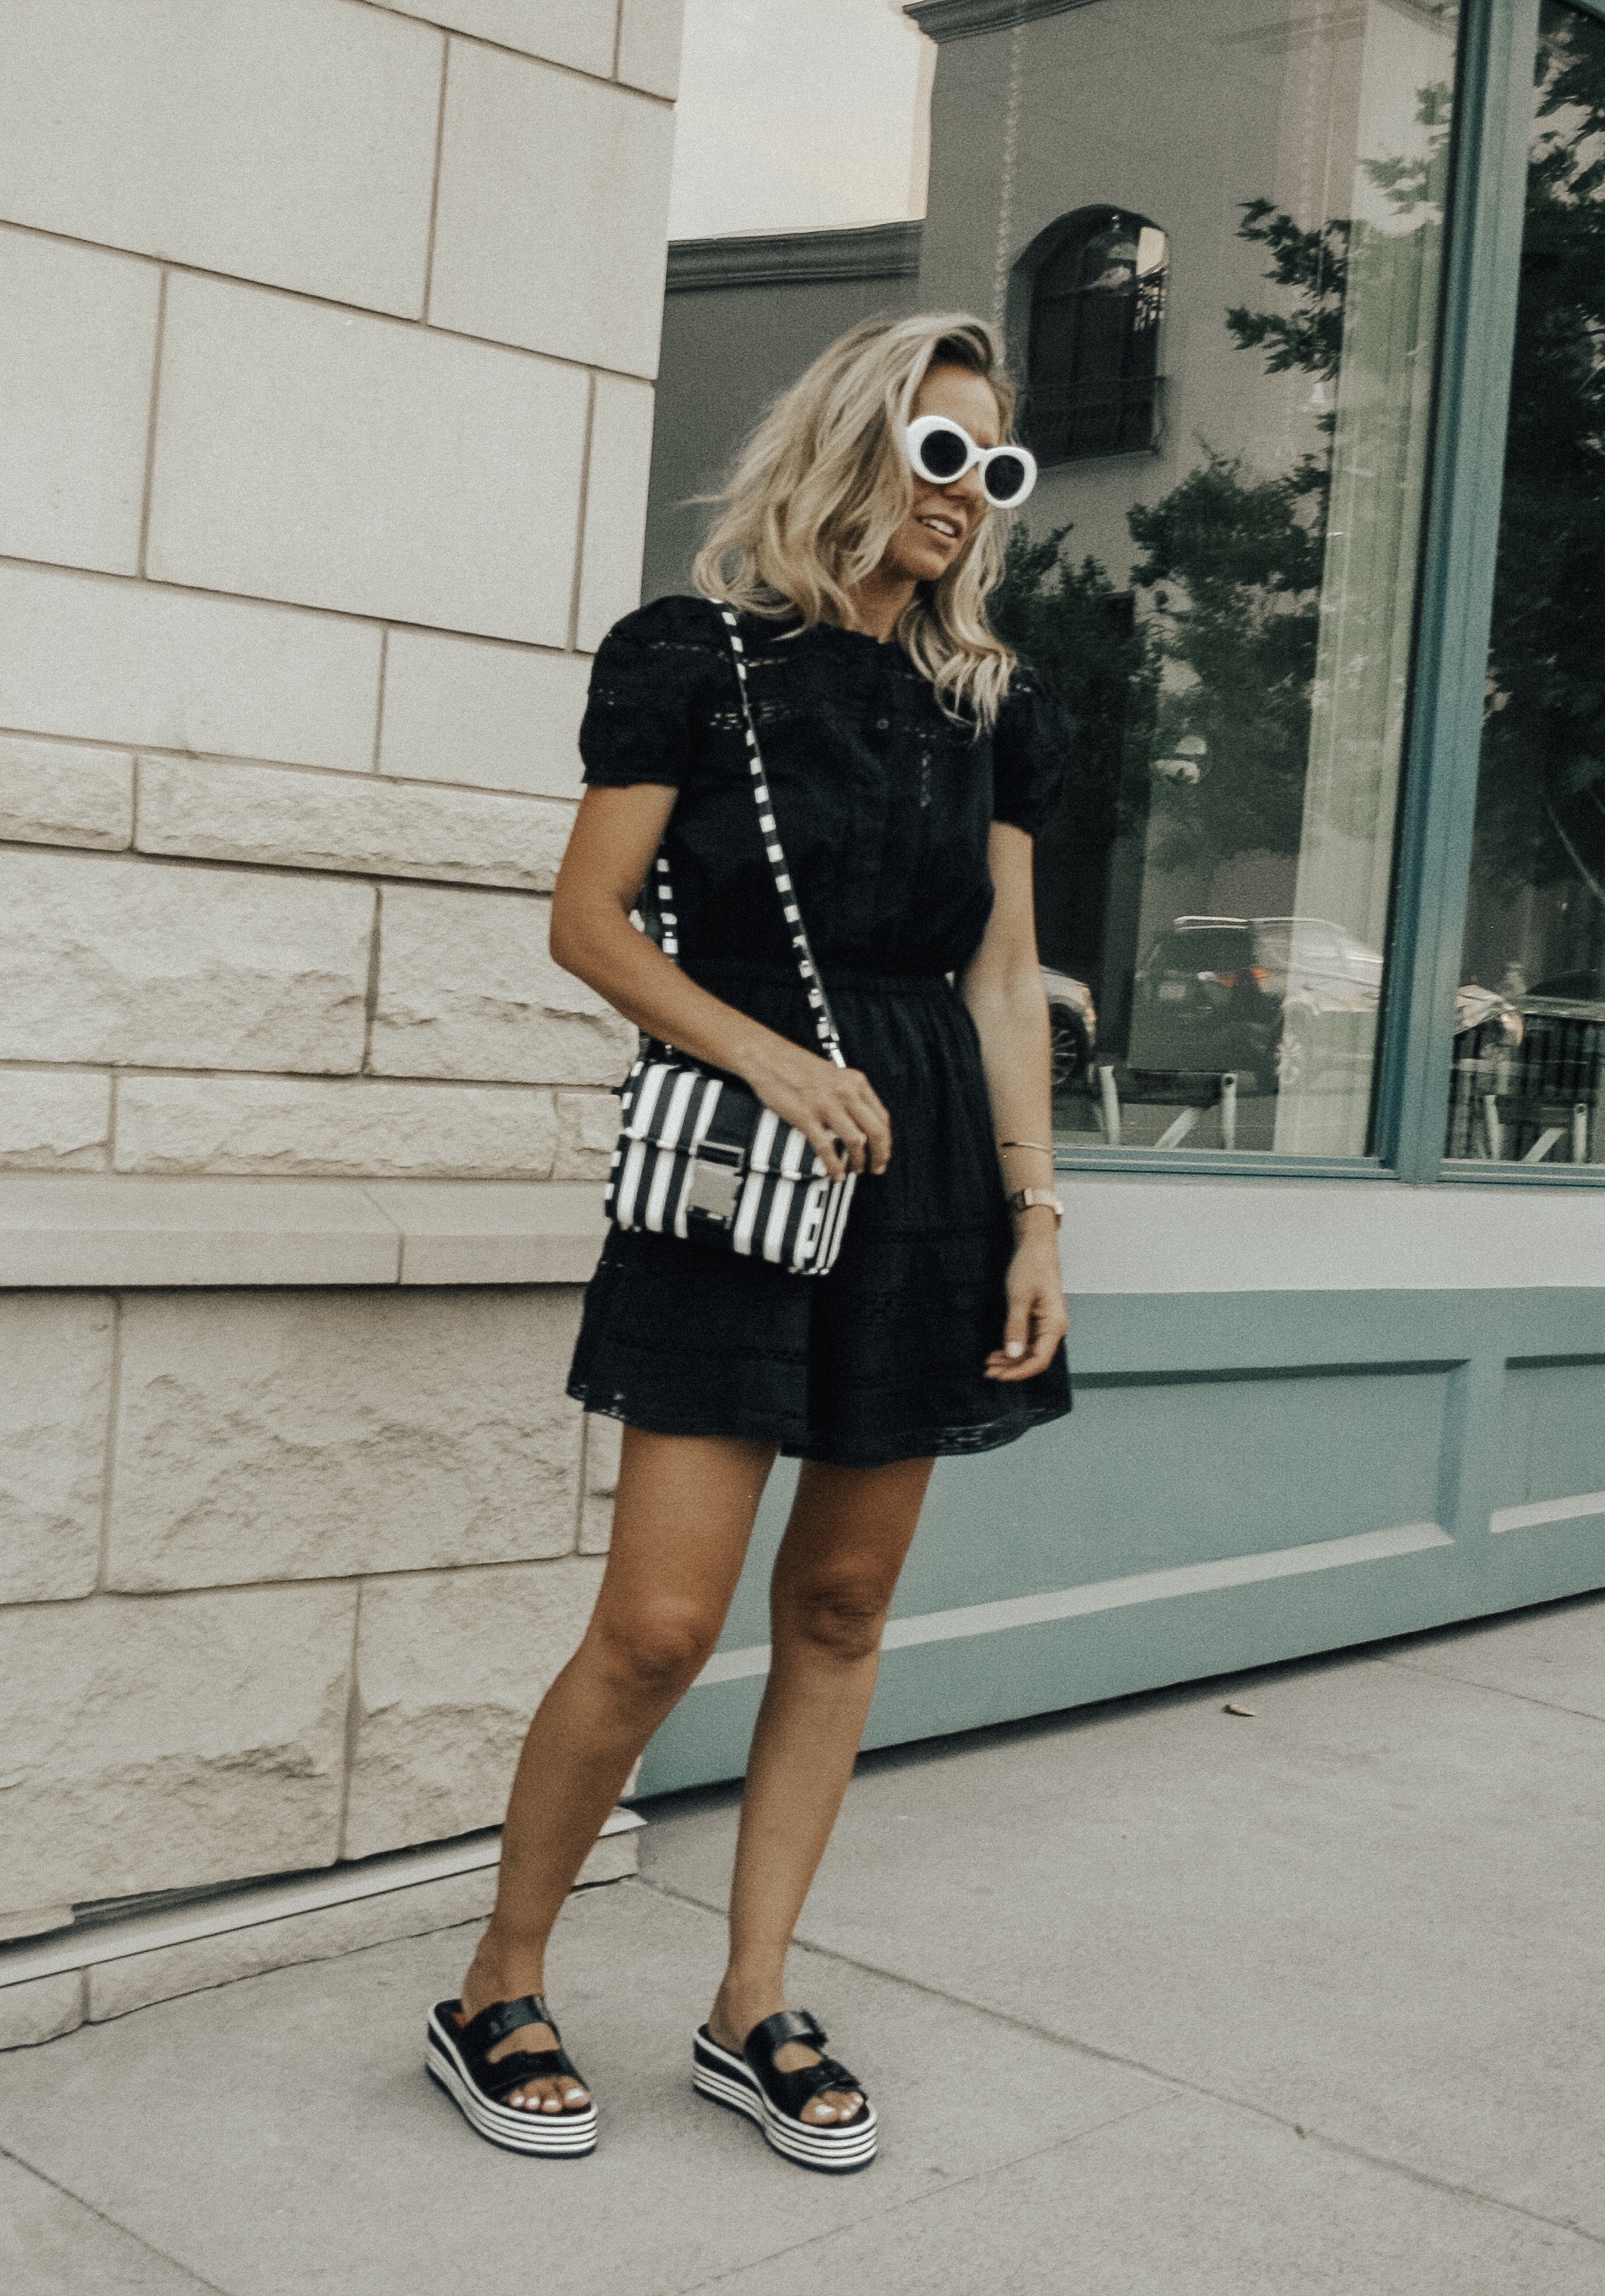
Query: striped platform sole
(730,2082)
(565,2137)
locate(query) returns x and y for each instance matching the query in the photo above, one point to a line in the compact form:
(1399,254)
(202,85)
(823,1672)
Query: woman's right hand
(839,1109)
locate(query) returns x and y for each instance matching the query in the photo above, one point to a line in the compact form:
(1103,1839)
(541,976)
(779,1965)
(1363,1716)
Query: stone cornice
(115,1231)
(876,251)
(962,20)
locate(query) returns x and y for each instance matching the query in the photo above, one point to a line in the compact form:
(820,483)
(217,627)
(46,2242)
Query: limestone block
(467,988)
(77,362)
(295,1435)
(108,958)
(552,219)
(306,454)
(587,1128)
(575,32)
(282,140)
(121,662)
(54,1121)
(456,709)
(355,1128)
(40,2009)
(603,1437)
(55,1390)
(349,821)
(117,1987)
(649,44)
(169,1743)
(51,794)
(450,1668)
(621,462)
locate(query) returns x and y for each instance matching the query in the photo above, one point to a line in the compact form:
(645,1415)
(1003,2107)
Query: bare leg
(834,1578)
(681,1523)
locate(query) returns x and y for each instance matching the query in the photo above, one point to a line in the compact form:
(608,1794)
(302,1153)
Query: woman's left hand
(1036,1320)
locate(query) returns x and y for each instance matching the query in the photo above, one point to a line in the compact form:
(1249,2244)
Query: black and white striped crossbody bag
(699,1156)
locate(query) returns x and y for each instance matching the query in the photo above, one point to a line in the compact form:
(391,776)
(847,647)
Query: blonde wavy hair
(821,486)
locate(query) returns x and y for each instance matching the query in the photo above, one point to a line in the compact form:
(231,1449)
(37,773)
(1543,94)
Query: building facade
(326,375)
(1303,301)
(328,403)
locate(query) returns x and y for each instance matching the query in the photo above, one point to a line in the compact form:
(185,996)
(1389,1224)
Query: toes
(545,2096)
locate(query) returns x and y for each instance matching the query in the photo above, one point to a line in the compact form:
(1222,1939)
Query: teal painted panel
(1183,1456)
(1555,1430)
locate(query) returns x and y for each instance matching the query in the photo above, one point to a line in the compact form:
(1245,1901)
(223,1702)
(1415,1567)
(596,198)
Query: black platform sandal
(458,2057)
(752,2083)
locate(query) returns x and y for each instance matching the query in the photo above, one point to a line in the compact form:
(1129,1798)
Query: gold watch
(1022,1199)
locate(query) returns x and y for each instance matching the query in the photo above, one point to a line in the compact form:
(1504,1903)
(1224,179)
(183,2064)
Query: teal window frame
(1499,43)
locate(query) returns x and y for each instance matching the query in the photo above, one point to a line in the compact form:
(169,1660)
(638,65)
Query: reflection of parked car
(1074,1019)
(1277,998)
(1533,1096)
(1253,994)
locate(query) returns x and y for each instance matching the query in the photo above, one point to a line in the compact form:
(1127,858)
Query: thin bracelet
(1041,1147)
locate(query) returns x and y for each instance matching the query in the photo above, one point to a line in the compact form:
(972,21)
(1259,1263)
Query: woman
(911,759)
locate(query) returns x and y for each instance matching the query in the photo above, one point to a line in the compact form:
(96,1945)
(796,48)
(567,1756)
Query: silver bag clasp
(717,1173)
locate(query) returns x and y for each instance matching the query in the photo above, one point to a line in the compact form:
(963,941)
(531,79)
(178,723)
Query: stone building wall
(326,393)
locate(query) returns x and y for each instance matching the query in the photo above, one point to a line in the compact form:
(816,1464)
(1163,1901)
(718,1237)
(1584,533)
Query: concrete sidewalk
(1151,1997)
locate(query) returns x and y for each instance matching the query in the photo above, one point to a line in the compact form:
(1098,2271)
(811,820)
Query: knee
(655,1654)
(839,1618)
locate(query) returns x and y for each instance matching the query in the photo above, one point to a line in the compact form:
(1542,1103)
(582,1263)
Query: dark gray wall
(741,319)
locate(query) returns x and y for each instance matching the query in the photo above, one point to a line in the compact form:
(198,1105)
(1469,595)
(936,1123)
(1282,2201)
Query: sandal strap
(501,2078)
(775,2032)
(793,2091)
(481,2033)
(494,2023)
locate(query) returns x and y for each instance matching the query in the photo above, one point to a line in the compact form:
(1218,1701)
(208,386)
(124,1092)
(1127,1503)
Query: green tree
(1083,636)
(1540,808)
(1233,560)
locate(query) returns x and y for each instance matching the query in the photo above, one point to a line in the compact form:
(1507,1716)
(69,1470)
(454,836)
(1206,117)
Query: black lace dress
(883,804)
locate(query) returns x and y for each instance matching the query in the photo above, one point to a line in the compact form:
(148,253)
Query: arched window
(1097,281)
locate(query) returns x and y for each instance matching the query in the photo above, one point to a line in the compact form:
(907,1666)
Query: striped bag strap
(819,1004)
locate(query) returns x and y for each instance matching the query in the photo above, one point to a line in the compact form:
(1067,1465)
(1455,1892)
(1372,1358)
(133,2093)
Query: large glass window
(1231,618)
(1212,231)
(1527,1075)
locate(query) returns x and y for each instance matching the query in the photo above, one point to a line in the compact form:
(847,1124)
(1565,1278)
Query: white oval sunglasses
(942,451)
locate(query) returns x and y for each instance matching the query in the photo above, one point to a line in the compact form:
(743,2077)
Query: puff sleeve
(642,710)
(1029,746)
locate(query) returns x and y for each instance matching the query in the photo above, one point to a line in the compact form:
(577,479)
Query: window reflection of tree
(1097,299)
(1541,803)
(1232,563)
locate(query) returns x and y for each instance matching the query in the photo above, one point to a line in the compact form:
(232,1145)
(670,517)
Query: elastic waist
(835,977)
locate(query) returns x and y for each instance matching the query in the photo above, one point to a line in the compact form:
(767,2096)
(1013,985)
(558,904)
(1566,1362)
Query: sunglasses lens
(944,453)
(1006,478)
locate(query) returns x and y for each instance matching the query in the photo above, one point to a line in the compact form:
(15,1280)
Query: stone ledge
(110,1232)
(49,1985)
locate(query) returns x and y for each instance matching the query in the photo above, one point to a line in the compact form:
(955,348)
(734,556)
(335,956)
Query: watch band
(1022,1199)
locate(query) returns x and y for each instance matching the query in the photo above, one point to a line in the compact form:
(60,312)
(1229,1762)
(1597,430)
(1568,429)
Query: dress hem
(960,1442)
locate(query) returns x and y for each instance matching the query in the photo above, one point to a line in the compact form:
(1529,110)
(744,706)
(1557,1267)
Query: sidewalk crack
(1178,2082)
(8,2154)
(1494,1689)
(918,2200)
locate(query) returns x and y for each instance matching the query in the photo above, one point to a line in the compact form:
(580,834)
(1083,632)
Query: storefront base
(1248,1475)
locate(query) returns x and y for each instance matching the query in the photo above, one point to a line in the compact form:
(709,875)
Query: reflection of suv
(1281,998)
(1260,994)
(1074,1019)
